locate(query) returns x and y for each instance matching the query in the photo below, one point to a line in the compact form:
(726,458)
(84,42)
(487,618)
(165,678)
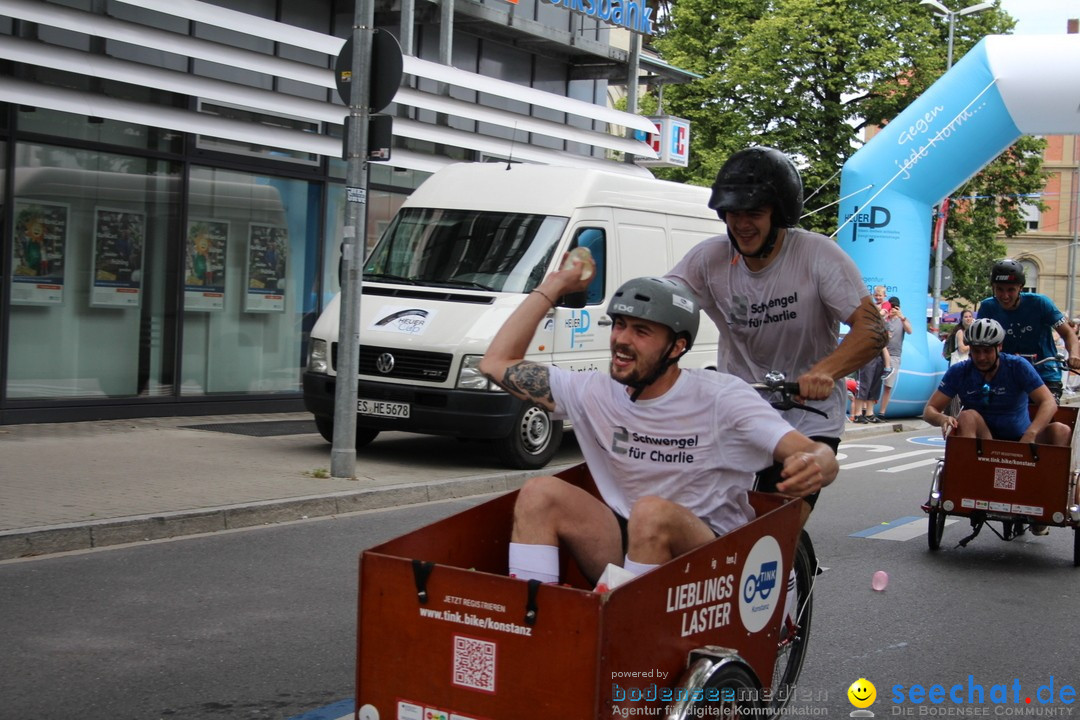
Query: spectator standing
(870,375)
(957,340)
(898,326)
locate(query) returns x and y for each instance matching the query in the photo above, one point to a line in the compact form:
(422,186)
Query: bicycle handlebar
(776,383)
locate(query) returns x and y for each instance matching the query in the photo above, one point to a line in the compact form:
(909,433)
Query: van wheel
(325,426)
(533,441)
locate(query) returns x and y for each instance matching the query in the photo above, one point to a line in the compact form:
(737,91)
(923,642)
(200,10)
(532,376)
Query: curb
(46,540)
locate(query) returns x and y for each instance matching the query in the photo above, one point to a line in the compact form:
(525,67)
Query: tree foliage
(989,205)
(807,77)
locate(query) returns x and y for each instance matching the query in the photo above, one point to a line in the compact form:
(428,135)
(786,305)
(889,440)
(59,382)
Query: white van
(459,256)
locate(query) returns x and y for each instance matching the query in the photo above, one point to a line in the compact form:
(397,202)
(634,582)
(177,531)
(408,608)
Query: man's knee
(968,423)
(651,517)
(540,494)
(1056,434)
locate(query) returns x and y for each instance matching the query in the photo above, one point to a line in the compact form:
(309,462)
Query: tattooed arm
(504,362)
(864,340)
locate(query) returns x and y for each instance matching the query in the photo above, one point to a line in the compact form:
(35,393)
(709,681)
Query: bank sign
(634,15)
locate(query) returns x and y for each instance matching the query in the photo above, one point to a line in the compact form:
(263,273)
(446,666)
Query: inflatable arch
(1005,87)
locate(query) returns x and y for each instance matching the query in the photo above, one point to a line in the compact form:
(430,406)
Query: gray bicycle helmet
(755,177)
(1007,271)
(663,301)
(660,300)
(985,332)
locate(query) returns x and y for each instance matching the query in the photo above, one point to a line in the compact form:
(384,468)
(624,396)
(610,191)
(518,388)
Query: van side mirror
(573,300)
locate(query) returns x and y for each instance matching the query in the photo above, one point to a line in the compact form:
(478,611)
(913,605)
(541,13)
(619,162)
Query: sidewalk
(73,486)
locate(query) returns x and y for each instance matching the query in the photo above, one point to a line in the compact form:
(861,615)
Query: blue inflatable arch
(1005,87)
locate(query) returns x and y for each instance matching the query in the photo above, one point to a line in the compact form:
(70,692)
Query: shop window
(247,257)
(90,304)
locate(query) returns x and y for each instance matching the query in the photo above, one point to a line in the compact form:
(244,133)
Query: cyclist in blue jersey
(1029,320)
(995,389)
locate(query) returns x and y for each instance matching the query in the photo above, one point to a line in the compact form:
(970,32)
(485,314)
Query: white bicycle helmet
(985,332)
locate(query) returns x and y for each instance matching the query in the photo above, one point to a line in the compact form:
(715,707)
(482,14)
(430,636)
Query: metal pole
(939,251)
(343,452)
(632,72)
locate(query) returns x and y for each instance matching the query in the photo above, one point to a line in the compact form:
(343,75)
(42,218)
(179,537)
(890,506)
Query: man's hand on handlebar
(815,385)
(948,424)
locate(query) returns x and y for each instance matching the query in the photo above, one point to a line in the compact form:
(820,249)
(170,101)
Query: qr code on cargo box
(1004,478)
(474,663)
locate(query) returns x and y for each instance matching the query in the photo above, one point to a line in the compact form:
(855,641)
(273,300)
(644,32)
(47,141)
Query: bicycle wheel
(794,636)
(935,529)
(730,690)
(1076,547)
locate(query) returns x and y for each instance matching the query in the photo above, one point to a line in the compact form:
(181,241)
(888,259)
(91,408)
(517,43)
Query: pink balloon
(880,580)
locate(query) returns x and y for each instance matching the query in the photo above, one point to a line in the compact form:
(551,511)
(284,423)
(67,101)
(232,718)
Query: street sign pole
(343,452)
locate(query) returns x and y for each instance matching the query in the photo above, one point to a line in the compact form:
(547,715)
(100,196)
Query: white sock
(534,562)
(636,567)
(791,603)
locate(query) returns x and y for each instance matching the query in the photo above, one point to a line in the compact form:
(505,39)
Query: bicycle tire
(791,653)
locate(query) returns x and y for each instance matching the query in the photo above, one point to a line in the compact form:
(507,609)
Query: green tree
(805,76)
(984,208)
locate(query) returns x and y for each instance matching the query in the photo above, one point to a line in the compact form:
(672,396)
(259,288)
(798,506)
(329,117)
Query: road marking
(341,710)
(901,529)
(934,440)
(888,458)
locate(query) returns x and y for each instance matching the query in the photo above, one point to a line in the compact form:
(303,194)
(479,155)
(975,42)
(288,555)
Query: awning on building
(105,67)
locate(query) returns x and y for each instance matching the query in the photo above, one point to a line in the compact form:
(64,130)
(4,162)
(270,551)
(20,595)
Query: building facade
(1049,247)
(173,184)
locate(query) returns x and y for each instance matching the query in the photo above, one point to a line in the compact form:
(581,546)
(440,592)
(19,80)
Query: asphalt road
(260,623)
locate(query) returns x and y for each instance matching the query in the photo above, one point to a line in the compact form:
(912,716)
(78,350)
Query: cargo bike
(1011,484)
(444,634)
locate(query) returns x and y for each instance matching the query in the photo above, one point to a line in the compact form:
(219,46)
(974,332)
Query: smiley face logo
(862,693)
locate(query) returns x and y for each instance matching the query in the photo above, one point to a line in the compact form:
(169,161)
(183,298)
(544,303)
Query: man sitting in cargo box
(778,294)
(671,450)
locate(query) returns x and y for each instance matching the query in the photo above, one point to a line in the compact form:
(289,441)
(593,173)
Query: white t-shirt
(786,317)
(698,445)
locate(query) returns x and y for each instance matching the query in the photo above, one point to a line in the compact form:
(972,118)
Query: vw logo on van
(384,363)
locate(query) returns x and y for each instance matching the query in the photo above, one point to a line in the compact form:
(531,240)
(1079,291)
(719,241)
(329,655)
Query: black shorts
(624,526)
(769,478)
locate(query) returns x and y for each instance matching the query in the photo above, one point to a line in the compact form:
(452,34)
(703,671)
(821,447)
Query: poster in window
(38,253)
(268,246)
(204,265)
(119,240)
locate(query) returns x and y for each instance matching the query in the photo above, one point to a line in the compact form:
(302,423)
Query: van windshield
(508,252)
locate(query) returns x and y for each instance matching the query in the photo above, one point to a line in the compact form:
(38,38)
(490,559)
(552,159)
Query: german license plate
(381,408)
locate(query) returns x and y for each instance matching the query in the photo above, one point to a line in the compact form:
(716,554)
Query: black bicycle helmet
(755,177)
(663,301)
(985,332)
(1007,271)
